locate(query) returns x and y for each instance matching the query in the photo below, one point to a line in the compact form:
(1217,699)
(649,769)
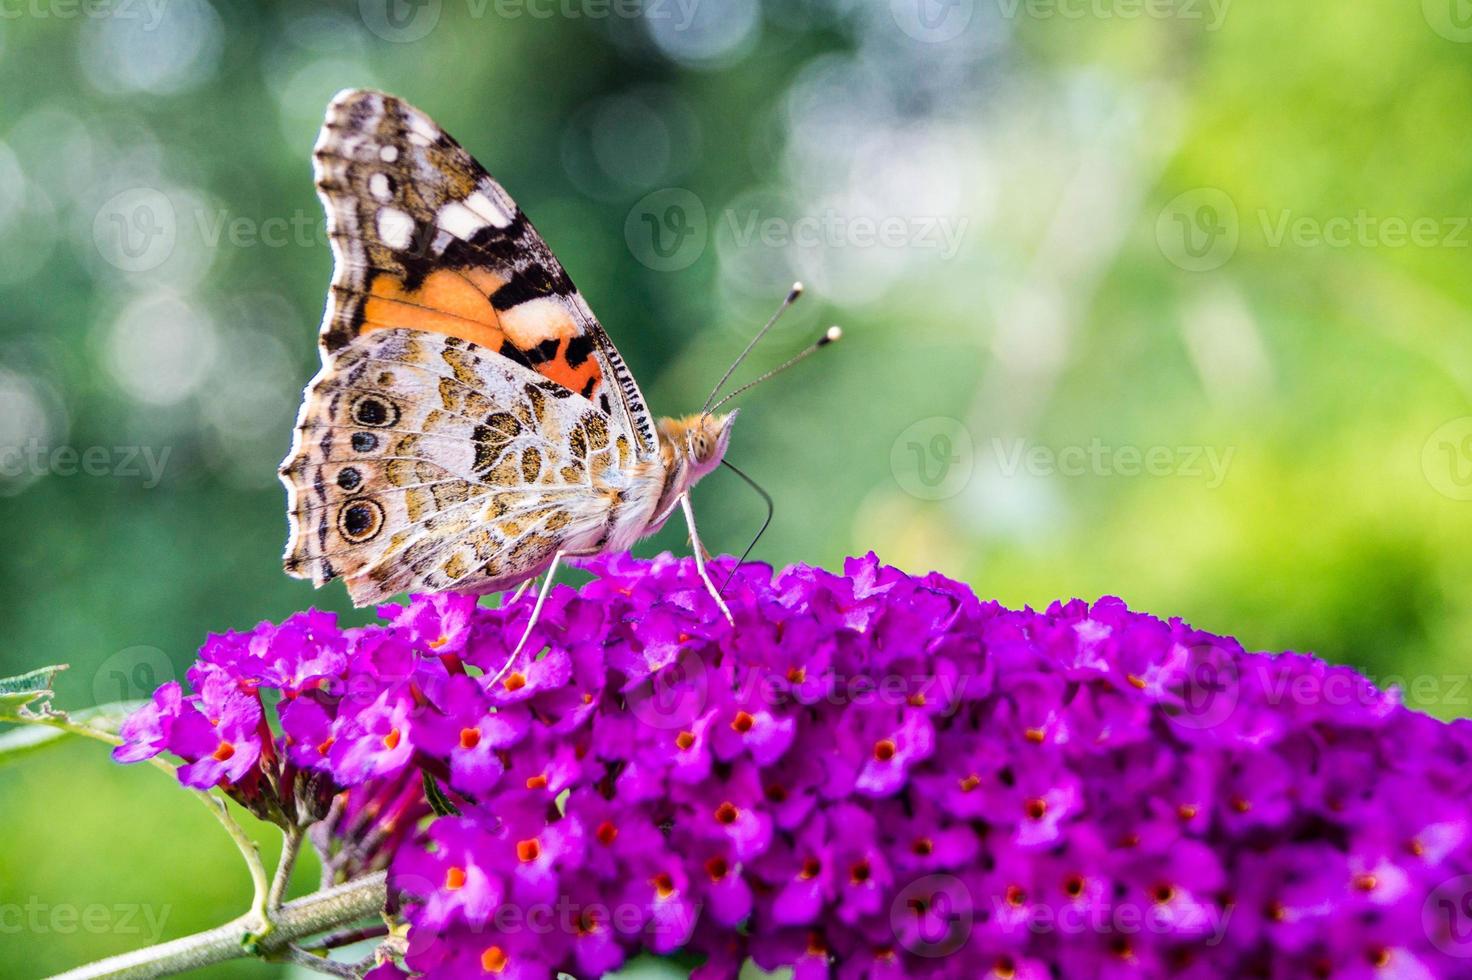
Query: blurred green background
(1166,300)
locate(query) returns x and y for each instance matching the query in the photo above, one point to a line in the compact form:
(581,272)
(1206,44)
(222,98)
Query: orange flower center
(391,740)
(717,868)
(606,832)
(727,813)
(537,782)
(684,741)
(469,738)
(884,749)
(1035,808)
(528,850)
(743,722)
(224,751)
(454,879)
(494,959)
(515,682)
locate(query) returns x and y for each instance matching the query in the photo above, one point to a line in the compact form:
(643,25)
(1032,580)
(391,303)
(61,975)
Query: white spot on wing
(378,185)
(459,220)
(388,154)
(421,130)
(395,228)
(491,211)
(530,323)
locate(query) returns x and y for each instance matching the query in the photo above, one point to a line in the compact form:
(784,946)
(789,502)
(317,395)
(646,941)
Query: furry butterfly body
(472,424)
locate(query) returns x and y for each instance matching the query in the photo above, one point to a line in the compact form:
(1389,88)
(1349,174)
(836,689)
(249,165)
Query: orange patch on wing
(572,378)
(449,302)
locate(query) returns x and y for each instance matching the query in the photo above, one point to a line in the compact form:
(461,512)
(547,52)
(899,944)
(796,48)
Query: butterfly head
(699,441)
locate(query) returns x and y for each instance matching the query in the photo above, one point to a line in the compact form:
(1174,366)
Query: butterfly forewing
(471,417)
(424,238)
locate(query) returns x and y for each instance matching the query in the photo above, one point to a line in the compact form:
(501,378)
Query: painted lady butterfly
(472,424)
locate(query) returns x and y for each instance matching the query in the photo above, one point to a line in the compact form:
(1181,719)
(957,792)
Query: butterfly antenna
(765,524)
(792,295)
(829,336)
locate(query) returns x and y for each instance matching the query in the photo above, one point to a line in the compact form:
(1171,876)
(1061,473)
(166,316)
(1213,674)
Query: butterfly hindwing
(424,239)
(424,463)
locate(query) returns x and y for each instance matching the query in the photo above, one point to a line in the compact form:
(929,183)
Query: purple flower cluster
(869,775)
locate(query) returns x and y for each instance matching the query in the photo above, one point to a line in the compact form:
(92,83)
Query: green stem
(329,909)
(247,847)
(291,846)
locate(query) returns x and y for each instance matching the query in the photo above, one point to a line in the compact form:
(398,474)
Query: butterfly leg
(700,558)
(520,591)
(536,614)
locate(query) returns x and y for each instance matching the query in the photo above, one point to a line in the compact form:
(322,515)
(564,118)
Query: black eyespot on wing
(349,479)
(364,442)
(360,521)
(372,410)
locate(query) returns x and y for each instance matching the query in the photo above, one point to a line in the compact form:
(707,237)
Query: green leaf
(19,691)
(26,739)
(438,801)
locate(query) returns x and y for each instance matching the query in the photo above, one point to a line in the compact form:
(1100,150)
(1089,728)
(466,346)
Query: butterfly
(472,425)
